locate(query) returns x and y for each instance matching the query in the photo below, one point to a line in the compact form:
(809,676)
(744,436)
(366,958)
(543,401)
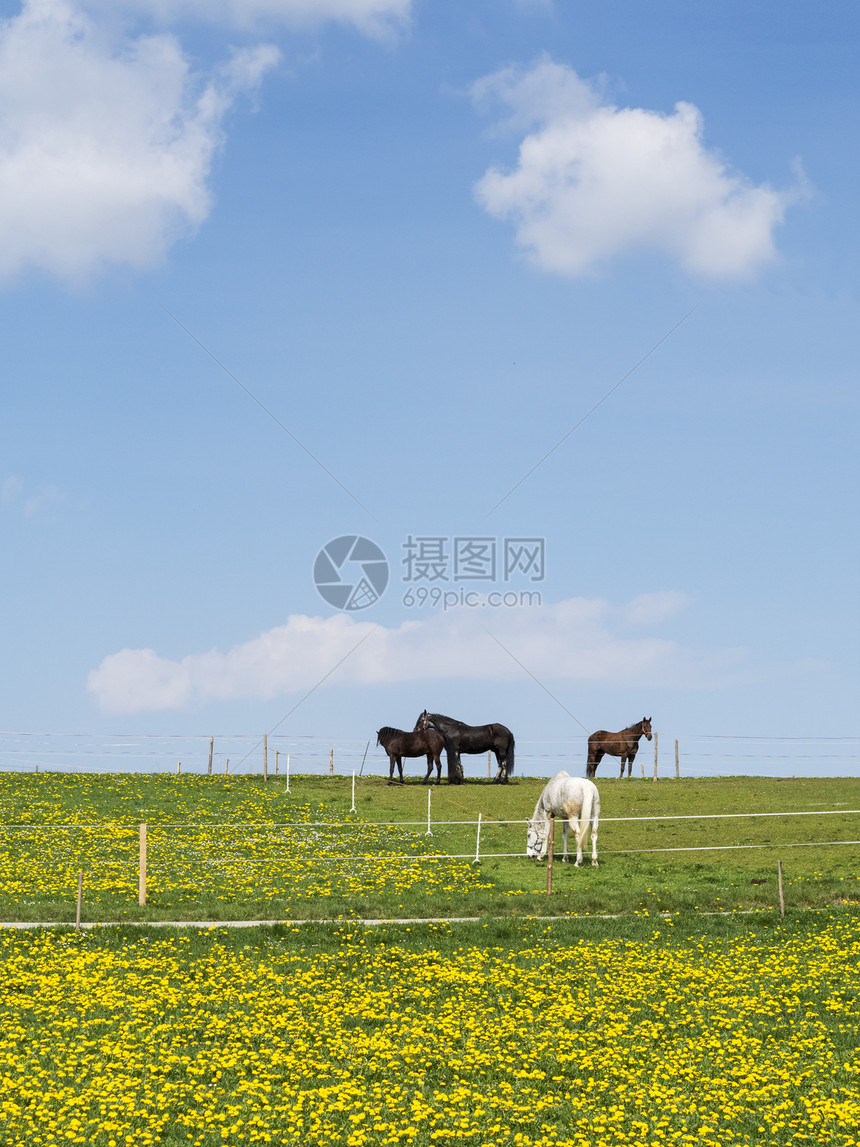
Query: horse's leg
(429,768)
(391,768)
(564,856)
(400,768)
(574,820)
(623,762)
(502,771)
(455,767)
(630,760)
(593,842)
(439,768)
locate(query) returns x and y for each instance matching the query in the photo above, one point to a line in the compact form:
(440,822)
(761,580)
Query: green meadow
(658,998)
(241,848)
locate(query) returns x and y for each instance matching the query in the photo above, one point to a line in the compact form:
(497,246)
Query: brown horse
(623,745)
(399,744)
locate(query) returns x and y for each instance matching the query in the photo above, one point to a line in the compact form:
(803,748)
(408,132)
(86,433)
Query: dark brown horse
(460,738)
(623,745)
(399,744)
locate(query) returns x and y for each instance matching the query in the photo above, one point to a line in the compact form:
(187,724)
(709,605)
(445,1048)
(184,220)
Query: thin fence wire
(395,824)
(700,755)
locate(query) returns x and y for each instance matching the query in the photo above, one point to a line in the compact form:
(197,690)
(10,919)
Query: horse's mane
(539,815)
(385,730)
(450,721)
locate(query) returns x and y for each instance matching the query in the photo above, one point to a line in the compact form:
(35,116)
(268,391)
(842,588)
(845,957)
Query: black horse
(460,738)
(399,744)
(623,745)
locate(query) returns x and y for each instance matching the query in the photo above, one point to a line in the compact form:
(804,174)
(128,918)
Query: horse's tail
(590,806)
(509,759)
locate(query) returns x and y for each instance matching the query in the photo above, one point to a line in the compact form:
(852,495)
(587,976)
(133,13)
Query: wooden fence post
(211,750)
(226,766)
(80,898)
(178,767)
(265,756)
(277,751)
(331,762)
(677,763)
(655,756)
(141,884)
(549,858)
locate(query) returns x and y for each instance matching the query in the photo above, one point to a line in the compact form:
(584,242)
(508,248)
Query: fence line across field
(704,755)
(727,847)
(371,858)
(383,858)
(500,822)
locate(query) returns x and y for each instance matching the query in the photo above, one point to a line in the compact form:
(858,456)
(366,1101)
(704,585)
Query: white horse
(575,799)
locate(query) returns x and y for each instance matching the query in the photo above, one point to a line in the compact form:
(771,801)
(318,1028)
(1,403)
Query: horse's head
(421,723)
(534,841)
(646,727)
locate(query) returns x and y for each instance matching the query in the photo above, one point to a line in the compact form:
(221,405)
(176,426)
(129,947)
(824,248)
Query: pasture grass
(694,1016)
(218,848)
(714,1031)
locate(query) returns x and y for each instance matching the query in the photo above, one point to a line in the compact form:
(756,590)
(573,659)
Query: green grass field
(670,1003)
(239,848)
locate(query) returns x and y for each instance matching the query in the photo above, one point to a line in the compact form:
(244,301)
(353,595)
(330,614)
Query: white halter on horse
(578,802)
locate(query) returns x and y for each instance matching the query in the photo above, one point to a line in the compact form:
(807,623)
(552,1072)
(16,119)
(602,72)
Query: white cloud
(576,640)
(14,495)
(374,17)
(105,146)
(594,181)
(650,608)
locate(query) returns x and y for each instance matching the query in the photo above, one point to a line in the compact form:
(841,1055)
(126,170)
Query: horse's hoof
(594,864)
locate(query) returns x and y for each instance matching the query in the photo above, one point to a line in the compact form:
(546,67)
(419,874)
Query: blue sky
(429,238)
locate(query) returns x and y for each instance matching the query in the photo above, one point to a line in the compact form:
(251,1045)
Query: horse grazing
(623,745)
(573,798)
(460,738)
(399,744)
